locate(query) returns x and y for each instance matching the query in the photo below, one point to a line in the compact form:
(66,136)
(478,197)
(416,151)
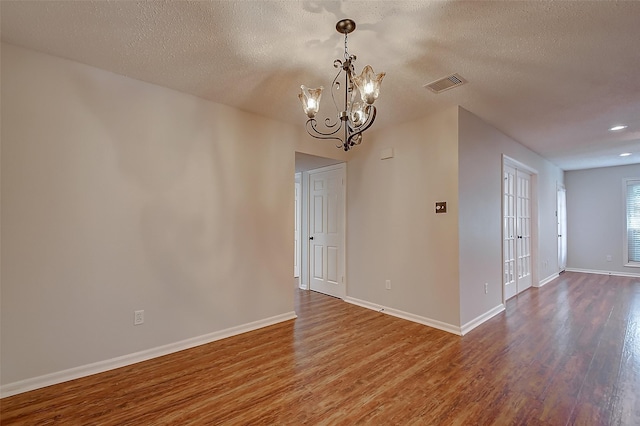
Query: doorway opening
(320,234)
(561,213)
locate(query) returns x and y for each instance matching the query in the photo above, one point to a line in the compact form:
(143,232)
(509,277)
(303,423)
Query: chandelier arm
(312,129)
(370,111)
(329,124)
(371,117)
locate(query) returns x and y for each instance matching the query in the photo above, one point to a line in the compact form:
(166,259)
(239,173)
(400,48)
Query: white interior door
(562,228)
(516,232)
(326,230)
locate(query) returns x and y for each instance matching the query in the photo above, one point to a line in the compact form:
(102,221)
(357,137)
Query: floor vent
(446,83)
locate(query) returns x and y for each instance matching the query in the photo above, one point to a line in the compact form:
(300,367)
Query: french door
(516,232)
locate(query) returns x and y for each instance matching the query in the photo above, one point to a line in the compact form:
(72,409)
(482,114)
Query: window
(632,234)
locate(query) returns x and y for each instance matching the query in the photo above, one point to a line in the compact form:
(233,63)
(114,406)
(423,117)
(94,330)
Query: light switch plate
(441,207)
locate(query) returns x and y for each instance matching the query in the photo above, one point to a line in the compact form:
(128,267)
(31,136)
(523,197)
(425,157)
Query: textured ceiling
(552,75)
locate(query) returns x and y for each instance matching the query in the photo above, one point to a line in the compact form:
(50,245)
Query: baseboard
(481,319)
(547,280)
(594,271)
(122,361)
(405,315)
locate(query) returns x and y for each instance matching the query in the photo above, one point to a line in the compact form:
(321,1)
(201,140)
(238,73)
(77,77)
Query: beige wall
(393,232)
(481,147)
(438,263)
(119,195)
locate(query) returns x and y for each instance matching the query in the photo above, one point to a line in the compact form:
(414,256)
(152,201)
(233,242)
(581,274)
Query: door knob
(311,238)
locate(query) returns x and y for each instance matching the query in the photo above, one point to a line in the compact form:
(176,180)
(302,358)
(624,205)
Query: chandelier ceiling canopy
(356,113)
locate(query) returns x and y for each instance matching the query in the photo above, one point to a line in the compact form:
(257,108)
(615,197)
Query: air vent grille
(446,83)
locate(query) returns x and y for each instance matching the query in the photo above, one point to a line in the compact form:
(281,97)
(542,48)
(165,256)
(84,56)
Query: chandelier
(357,112)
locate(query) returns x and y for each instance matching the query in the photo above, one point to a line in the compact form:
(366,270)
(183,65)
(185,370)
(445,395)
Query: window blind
(633,221)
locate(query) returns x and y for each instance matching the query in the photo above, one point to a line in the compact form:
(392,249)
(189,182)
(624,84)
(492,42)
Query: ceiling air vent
(446,83)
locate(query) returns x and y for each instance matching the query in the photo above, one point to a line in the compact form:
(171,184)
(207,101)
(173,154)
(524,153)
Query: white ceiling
(552,75)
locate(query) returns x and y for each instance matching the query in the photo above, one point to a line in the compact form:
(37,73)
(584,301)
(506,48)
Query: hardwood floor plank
(568,353)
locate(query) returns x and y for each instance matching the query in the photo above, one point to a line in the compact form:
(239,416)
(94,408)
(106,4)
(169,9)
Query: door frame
(506,160)
(560,188)
(307,220)
(298,229)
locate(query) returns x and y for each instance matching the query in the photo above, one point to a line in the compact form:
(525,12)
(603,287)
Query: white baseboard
(122,361)
(406,315)
(548,280)
(481,319)
(594,271)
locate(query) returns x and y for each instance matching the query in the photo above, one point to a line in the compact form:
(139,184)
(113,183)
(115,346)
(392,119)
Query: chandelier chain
(346,52)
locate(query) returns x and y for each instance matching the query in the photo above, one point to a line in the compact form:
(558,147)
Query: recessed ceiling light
(619,127)
(625,154)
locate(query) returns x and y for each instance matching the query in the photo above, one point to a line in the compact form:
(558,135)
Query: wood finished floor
(568,353)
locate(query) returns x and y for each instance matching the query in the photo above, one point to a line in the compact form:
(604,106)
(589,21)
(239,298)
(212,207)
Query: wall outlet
(608,258)
(486,288)
(387,284)
(138,317)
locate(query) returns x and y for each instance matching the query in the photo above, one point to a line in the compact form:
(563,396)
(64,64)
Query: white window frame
(625,238)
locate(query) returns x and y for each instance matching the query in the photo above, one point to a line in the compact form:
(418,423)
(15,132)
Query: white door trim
(298,225)
(343,213)
(518,165)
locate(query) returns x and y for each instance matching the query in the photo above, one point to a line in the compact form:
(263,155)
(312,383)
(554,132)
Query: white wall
(481,147)
(393,231)
(119,195)
(595,218)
